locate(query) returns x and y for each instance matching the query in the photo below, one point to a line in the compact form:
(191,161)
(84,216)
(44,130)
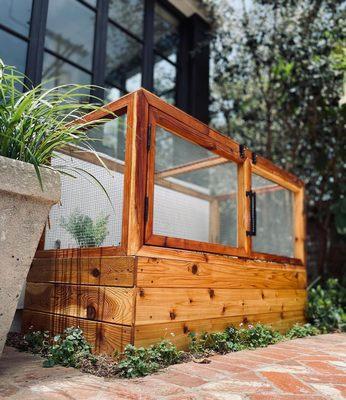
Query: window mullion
(38,22)
(100,43)
(148,48)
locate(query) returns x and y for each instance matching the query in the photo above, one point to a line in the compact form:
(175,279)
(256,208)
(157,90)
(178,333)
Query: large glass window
(274,205)
(129,14)
(123,60)
(70,31)
(15,18)
(166,44)
(195,192)
(16,14)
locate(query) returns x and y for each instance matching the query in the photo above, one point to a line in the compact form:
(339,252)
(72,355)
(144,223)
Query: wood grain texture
(165,273)
(155,305)
(97,303)
(104,337)
(178,332)
(101,271)
(198,256)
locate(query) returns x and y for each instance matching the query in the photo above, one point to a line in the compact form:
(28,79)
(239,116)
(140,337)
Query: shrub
(68,349)
(141,361)
(258,335)
(300,331)
(36,342)
(326,306)
(232,339)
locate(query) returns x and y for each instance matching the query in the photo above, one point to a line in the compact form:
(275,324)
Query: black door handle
(253,213)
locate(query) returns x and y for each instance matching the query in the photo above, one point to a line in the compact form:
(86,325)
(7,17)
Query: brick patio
(311,368)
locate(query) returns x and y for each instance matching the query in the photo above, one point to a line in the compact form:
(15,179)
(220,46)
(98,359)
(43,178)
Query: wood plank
(165,273)
(102,271)
(214,221)
(299,226)
(104,337)
(107,251)
(198,256)
(192,166)
(185,304)
(97,303)
(178,332)
(243,212)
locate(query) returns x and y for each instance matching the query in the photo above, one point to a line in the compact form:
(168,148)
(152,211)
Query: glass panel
(86,217)
(195,192)
(164,79)
(274,218)
(129,14)
(13,51)
(16,14)
(59,73)
(123,60)
(166,32)
(110,138)
(70,31)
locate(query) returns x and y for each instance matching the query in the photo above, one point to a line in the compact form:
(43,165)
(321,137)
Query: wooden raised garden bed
(202,234)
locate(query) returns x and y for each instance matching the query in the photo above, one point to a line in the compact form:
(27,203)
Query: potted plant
(34,124)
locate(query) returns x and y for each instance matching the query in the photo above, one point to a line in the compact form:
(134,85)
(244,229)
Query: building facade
(118,45)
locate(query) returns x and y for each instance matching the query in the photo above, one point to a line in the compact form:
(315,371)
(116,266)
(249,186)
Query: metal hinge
(146,208)
(254,158)
(149,137)
(242,151)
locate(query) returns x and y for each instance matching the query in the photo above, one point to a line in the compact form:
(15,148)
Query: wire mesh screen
(195,192)
(86,217)
(274,218)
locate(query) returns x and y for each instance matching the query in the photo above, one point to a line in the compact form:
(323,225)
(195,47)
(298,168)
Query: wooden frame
(144,109)
(152,285)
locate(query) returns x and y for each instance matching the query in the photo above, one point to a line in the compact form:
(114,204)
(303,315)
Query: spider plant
(36,122)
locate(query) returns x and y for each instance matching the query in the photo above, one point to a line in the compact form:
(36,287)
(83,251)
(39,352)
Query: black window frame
(186,67)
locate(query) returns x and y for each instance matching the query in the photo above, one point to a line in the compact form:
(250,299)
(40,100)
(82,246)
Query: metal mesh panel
(86,217)
(195,193)
(274,218)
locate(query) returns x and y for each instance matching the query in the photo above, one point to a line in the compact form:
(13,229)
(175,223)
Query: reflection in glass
(164,79)
(129,14)
(16,14)
(123,60)
(166,32)
(109,138)
(13,51)
(70,31)
(57,72)
(195,192)
(274,218)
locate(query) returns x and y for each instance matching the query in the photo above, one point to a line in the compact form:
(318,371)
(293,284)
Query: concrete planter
(24,210)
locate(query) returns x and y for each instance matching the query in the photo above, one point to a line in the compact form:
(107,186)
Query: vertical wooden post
(299,225)
(244,185)
(137,159)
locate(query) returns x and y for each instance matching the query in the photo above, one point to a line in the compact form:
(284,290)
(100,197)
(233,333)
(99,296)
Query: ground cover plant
(325,313)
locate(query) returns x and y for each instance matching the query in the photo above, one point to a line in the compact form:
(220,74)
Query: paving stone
(309,368)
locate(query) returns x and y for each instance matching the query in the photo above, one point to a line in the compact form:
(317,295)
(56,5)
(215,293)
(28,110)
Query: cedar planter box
(202,234)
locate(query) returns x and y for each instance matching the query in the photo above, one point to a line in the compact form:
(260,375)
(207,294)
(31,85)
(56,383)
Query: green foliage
(300,331)
(36,342)
(232,339)
(276,81)
(34,123)
(327,305)
(68,349)
(85,231)
(141,361)
(258,335)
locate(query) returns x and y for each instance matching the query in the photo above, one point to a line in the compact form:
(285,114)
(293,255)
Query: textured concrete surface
(24,209)
(302,369)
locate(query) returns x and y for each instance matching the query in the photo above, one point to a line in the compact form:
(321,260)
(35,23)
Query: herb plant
(85,231)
